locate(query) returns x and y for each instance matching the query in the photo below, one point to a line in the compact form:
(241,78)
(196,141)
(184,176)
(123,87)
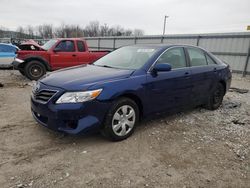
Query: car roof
(165,45)
(8,44)
(77,38)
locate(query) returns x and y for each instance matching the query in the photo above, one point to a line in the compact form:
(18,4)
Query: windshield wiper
(107,66)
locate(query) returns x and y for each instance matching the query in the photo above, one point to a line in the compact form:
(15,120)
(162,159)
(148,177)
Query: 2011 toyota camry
(132,82)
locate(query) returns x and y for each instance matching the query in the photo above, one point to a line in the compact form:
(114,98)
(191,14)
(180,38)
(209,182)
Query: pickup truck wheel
(34,70)
(121,120)
(216,97)
(22,72)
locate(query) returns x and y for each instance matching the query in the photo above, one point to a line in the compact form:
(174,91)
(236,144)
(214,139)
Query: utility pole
(164,24)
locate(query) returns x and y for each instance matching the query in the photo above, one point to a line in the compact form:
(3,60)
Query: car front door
(203,74)
(171,89)
(7,55)
(64,55)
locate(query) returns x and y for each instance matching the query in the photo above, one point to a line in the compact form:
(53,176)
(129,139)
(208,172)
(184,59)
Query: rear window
(197,57)
(210,61)
(80,46)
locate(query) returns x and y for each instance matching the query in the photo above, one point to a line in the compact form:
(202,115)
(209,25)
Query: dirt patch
(198,148)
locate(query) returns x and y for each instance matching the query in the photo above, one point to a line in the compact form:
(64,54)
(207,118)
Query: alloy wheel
(123,120)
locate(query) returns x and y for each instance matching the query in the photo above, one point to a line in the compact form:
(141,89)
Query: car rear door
(83,56)
(203,74)
(168,90)
(64,54)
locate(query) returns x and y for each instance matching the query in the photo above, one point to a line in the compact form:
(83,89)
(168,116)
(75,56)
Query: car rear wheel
(121,120)
(216,97)
(34,70)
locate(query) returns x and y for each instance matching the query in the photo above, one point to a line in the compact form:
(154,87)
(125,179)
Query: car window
(66,46)
(210,61)
(80,46)
(175,57)
(197,57)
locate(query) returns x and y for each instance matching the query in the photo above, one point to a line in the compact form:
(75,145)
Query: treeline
(93,29)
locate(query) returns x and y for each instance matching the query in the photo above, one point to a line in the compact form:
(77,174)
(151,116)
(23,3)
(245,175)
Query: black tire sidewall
(29,65)
(107,128)
(22,72)
(211,105)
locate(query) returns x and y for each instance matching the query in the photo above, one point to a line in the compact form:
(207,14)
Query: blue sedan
(7,54)
(133,82)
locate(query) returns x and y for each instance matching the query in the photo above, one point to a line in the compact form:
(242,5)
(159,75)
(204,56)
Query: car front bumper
(16,63)
(76,118)
(6,62)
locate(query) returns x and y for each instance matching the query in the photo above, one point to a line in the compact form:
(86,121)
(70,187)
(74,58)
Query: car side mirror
(162,67)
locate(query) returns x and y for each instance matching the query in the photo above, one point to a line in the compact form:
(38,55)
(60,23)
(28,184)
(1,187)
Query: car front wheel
(34,70)
(121,120)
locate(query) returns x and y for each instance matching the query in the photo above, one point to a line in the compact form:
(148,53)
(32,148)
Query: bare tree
(30,31)
(2,31)
(20,32)
(118,31)
(45,31)
(48,31)
(40,31)
(59,31)
(138,32)
(128,32)
(104,30)
(92,29)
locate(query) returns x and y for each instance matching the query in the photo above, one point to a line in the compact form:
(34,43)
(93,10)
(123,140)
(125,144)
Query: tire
(22,72)
(34,70)
(216,97)
(121,120)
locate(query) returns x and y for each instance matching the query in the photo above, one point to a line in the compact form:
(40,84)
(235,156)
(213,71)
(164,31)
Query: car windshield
(130,57)
(49,44)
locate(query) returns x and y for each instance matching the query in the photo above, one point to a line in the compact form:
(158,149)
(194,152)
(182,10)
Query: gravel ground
(198,148)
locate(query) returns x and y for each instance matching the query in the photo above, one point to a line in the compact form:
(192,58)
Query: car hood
(30,43)
(82,77)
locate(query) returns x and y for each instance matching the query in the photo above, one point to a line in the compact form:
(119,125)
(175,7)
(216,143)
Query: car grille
(44,95)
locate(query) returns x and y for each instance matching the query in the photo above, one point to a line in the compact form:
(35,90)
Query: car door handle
(74,55)
(187,75)
(215,69)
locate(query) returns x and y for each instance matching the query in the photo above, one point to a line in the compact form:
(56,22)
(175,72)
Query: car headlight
(76,97)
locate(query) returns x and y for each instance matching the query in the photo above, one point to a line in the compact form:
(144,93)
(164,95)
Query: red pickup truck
(53,55)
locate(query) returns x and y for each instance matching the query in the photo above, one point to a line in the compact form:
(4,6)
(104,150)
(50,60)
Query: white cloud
(186,16)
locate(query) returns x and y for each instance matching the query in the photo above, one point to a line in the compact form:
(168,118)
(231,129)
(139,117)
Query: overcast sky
(185,16)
